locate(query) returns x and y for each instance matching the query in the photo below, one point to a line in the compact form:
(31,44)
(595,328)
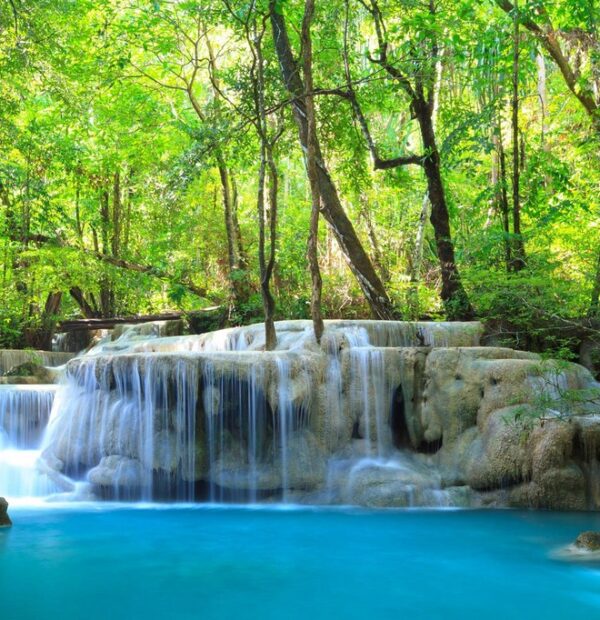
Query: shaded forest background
(289,159)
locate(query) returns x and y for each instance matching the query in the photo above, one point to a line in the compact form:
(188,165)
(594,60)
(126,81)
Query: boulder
(4,518)
(586,548)
(589,541)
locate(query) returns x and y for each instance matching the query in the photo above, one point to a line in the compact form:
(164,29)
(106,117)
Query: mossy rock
(590,541)
(31,369)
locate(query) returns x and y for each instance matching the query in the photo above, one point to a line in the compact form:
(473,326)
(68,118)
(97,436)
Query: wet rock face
(4,518)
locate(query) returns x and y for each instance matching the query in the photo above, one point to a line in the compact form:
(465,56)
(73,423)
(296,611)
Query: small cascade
(238,418)
(374,469)
(284,421)
(24,413)
(370,396)
(127,425)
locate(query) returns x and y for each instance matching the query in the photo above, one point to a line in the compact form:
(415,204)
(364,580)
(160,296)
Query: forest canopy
(295,159)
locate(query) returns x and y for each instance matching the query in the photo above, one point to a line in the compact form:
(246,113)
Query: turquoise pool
(105,561)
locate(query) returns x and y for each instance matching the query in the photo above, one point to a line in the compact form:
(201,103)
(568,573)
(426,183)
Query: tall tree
(419,86)
(518,254)
(331,207)
(312,171)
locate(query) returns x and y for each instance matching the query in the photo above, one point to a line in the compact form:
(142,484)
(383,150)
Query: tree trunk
(453,294)
(331,207)
(543,96)
(235,251)
(267,169)
(106,294)
(518,255)
(377,255)
(313,180)
(273,183)
(87,310)
(41,337)
(594,310)
(502,197)
(417,258)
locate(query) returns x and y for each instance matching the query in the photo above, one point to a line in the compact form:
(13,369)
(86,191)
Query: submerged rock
(4,518)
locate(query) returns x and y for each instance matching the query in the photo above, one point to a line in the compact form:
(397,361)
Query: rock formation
(4,518)
(382,413)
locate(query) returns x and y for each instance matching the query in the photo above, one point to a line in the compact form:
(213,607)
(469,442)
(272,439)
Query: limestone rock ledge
(381,413)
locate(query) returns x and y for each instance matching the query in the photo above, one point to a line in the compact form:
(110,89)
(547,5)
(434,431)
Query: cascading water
(24,413)
(236,415)
(214,416)
(127,424)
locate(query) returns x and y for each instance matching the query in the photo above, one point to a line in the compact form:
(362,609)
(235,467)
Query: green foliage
(553,399)
(103,98)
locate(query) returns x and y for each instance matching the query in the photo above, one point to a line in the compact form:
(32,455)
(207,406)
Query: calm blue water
(107,562)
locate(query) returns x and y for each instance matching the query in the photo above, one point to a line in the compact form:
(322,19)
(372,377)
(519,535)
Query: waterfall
(284,421)
(370,395)
(127,424)
(24,412)
(215,417)
(237,415)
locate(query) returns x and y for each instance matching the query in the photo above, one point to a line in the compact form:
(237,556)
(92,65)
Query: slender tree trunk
(105,285)
(518,255)
(417,259)
(273,184)
(116,215)
(232,230)
(235,253)
(128,208)
(331,207)
(237,231)
(594,310)
(543,96)
(267,172)
(78,223)
(311,168)
(502,197)
(378,260)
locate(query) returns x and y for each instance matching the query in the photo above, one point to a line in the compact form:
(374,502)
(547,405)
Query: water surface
(105,561)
